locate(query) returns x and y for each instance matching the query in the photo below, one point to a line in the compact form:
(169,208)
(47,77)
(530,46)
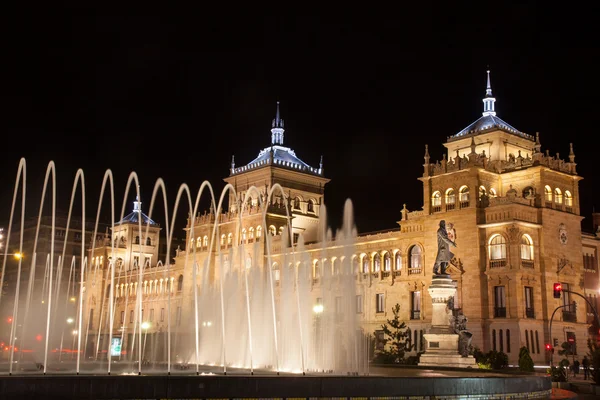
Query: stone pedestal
(441,343)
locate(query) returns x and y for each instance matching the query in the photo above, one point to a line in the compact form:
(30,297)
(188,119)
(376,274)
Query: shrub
(525,361)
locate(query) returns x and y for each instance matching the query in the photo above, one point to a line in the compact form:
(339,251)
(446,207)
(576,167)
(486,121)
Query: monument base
(447,360)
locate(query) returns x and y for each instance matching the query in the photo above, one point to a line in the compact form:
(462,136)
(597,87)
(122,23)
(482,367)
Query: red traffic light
(548,346)
(557,290)
(9,320)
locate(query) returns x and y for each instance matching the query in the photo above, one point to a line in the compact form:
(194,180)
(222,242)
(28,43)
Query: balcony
(414,271)
(415,314)
(569,316)
(529,313)
(527,263)
(499,312)
(436,208)
(385,274)
(501,263)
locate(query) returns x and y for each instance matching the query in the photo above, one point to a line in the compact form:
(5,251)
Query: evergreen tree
(397,336)
(525,361)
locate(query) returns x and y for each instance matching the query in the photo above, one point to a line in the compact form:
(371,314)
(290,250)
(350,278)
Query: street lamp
(145,326)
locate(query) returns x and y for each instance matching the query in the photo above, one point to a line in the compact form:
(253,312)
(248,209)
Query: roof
(134,216)
(282,157)
(488,122)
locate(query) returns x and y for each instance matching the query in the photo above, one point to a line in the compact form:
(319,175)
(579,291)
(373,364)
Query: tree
(525,361)
(397,338)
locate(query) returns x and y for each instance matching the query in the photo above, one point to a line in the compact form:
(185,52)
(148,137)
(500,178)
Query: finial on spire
(571,153)
(473,145)
(488,100)
(277,128)
(137,204)
(426,157)
(321,162)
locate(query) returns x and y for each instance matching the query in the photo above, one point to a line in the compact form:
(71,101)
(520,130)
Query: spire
(488,100)
(232,164)
(137,204)
(473,145)
(277,129)
(571,153)
(426,157)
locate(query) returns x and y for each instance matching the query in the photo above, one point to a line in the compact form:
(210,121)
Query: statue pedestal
(441,343)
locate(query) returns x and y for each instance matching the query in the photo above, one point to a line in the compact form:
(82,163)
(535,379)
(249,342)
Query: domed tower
(514,210)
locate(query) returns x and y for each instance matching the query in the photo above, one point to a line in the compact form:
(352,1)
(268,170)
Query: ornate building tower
(516,215)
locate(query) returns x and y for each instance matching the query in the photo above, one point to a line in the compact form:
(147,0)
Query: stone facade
(517,219)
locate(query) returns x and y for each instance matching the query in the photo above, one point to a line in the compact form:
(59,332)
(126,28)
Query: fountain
(241,316)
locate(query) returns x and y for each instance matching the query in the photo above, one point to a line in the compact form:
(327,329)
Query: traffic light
(549,348)
(557,290)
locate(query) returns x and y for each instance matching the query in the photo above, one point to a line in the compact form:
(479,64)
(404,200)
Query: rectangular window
(359,304)
(566,296)
(415,310)
(380,302)
(131,317)
(151,315)
(529,313)
(499,302)
(162,315)
(91,322)
(122,317)
(379,340)
(178,317)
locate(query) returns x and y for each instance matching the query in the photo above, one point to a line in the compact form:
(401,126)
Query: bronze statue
(444,254)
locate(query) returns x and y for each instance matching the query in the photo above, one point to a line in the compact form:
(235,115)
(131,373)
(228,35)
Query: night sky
(176,97)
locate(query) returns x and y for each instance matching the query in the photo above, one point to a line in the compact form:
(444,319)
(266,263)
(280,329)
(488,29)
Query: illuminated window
(464,196)
(310,206)
(526,248)
(497,251)
(244,235)
(548,193)
(229,239)
(493,192)
(251,234)
(272,230)
(205,242)
(376,263)
(258,232)
(297,203)
(528,192)
(316,270)
(223,240)
(415,257)
(199,242)
(365,264)
(568,199)
(450,199)
(387,262)
(436,201)
(557,196)
(398,263)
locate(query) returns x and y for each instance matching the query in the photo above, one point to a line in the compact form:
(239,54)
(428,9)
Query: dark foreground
(381,382)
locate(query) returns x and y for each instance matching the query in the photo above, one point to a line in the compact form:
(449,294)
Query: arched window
(464,197)
(557,196)
(258,233)
(548,194)
(493,192)
(180,283)
(398,263)
(376,263)
(526,251)
(297,203)
(148,241)
(310,206)
(365,264)
(199,242)
(355,265)
(251,235)
(482,192)
(416,261)
(272,230)
(244,235)
(337,267)
(387,262)
(497,251)
(205,242)
(450,199)
(436,201)
(281,230)
(316,270)
(229,239)
(223,240)
(568,199)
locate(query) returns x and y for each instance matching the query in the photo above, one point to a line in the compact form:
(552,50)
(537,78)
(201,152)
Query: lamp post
(145,326)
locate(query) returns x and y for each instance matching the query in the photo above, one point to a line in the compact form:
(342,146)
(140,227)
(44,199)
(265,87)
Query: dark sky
(176,97)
